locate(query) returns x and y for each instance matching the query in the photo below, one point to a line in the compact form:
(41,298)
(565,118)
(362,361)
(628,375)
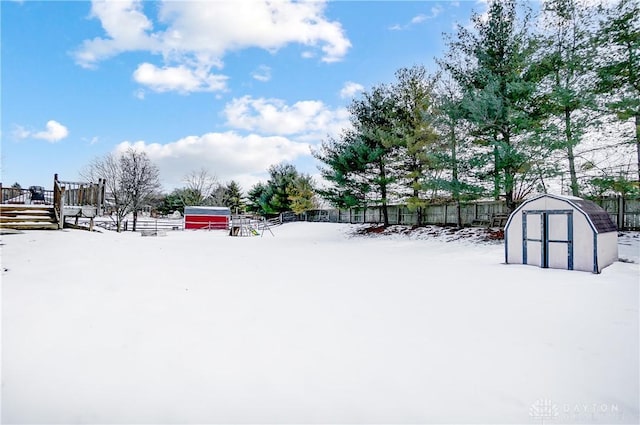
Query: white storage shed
(561,232)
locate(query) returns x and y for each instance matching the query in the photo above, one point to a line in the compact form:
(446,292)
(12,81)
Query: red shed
(206,217)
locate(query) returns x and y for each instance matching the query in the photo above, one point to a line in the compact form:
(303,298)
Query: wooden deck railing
(82,193)
(11,195)
(58,201)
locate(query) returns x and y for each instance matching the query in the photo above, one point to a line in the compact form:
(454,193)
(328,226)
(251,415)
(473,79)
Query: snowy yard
(310,326)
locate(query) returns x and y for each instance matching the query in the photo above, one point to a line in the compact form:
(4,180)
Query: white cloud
(127,29)
(309,118)
(418,19)
(195,36)
(19,132)
(263,73)
(92,141)
(350,89)
(228,155)
(53,132)
(217,27)
(180,79)
(139,94)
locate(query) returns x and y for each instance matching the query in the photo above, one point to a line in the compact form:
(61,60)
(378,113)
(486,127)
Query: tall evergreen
(302,194)
(414,129)
(456,154)
(567,79)
(285,190)
(281,179)
(376,142)
(233,197)
(345,170)
(491,63)
(618,42)
(359,163)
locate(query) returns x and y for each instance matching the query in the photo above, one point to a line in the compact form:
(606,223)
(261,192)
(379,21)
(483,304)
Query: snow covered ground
(313,325)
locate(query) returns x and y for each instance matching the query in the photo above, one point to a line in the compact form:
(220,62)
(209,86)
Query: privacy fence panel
(624,212)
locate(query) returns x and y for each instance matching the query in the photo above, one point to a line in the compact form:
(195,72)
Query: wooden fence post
(621,213)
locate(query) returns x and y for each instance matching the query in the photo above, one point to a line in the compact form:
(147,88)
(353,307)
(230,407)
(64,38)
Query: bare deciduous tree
(200,187)
(140,179)
(108,168)
(130,180)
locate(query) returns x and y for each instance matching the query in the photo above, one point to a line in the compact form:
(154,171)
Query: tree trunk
(454,172)
(496,174)
(638,142)
(383,194)
(575,191)
(509,175)
(135,219)
(416,195)
(511,204)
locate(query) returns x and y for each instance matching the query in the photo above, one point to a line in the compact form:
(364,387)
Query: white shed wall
(607,249)
(514,240)
(582,243)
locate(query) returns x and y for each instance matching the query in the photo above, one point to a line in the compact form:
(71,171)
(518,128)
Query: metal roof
(205,210)
(598,217)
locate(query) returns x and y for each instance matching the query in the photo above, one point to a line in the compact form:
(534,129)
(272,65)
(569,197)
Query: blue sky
(231,87)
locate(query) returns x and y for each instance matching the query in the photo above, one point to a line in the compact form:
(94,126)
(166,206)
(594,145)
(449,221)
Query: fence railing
(10,195)
(143,223)
(65,192)
(476,213)
(82,193)
(58,201)
(624,212)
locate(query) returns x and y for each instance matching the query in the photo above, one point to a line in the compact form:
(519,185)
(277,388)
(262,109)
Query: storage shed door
(533,238)
(547,238)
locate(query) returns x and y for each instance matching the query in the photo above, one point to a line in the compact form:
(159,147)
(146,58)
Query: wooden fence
(82,193)
(144,223)
(624,212)
(64,192)
(9,195)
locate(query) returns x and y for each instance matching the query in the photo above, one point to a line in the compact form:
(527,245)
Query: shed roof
(206,210)
(597,216)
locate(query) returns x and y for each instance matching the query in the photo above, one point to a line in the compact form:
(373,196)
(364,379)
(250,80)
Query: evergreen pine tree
(491,64)
(567,81)
(618,41)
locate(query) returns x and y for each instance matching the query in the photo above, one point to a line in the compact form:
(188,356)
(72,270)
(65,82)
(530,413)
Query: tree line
(511,100)
(505,112)
(132,184)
